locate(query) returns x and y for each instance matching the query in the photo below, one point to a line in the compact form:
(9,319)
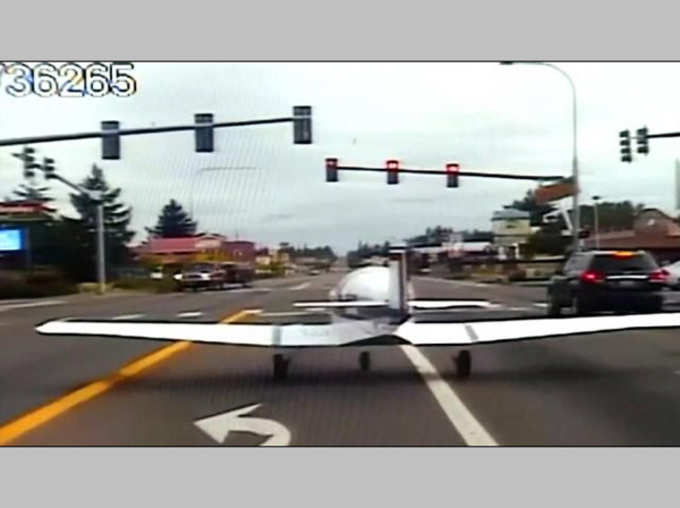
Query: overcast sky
(486,116)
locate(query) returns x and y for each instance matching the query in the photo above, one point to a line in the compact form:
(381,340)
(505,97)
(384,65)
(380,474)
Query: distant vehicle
(673,280)
(157,274)
(314,271)
(238,273)
(201,275)
(607,280)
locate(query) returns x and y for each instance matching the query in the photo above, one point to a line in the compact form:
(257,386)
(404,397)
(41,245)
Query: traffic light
(26,156)
(452,170)
(110,141)
(392,172)
(204,135)
(48,168)
(642,143)
(302,125)
(624,141)
(331,170)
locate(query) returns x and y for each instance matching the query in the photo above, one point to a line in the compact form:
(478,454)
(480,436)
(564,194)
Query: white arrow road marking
(460,416)
(219,426)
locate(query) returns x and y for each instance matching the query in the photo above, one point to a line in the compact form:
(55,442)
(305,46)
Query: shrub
(517,275)
(34,286)
(156,286)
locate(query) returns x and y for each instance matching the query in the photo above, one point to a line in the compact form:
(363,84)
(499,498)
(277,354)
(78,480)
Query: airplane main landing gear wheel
(463,363)
(280,367)
(365,361)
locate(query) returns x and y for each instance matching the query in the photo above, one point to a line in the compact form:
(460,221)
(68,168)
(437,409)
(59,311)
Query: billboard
(554,192)
(11,240)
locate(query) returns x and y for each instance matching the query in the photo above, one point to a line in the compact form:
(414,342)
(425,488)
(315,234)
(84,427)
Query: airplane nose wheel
(365,361)
(280,367)
(463,364)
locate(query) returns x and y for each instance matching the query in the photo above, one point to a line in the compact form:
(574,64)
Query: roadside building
(208,247)
(511,230)
(653,231)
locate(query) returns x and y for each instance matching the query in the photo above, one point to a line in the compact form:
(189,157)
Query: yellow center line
(43,414)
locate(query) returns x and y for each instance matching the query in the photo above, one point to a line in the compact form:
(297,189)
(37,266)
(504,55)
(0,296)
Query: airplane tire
(554,308)
(463,364)
(280,367)
(365,361)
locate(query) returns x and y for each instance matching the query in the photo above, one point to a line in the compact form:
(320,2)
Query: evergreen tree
(173,222)
(116,222)
(32,192)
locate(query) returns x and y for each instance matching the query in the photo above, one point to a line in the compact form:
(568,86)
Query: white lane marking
(541,304)
(190,314)
(299,287)
(456,282)
(276,314)
(237,420)
(458,414)
(4,308)
(128,316)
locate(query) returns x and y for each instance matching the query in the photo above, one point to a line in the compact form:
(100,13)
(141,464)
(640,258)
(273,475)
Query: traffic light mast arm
(440,172)
(143,130)
(74,186)
(664,135)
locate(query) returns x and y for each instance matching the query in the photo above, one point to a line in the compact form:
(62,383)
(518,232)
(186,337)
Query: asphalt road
(602,389)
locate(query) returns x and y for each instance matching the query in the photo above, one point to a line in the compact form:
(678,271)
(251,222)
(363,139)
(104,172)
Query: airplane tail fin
(398,284)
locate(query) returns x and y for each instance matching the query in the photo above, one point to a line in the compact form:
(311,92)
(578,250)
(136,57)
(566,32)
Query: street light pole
(101,262)
(574,158)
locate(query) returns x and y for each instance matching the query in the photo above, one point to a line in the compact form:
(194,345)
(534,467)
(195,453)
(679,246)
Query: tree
(529,204)
(116,222)
(173,222)
(32,192)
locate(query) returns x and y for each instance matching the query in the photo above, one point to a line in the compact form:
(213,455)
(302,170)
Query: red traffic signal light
(392,166)
(331,169)
(452,170)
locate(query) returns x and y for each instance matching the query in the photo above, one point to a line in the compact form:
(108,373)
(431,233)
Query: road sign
(11,240)
(555,192)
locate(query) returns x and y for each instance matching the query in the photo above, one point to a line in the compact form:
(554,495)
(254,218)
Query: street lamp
(597,229)
(574,160)
(209,168)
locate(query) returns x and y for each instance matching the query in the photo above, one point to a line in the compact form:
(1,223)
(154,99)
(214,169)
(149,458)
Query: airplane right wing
(485,332)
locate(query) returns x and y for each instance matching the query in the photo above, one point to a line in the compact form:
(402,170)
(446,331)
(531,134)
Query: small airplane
(370,306)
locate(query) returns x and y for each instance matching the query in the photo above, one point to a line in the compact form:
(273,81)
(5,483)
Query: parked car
(607,280)
(238,273)
(201,275)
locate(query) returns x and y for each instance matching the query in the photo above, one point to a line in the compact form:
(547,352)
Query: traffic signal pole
(101,262)
(98,197)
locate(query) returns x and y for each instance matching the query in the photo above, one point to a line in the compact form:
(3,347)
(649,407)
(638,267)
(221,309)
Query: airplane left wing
(251,334)
(356,332)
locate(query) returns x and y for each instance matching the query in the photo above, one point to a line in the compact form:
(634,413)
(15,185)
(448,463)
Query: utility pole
(101,261)
(96,196)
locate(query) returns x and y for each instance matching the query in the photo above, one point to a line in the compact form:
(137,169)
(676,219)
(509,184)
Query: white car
(673,278)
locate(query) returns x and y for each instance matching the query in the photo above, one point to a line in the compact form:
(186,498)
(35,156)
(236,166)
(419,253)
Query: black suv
(607,280)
